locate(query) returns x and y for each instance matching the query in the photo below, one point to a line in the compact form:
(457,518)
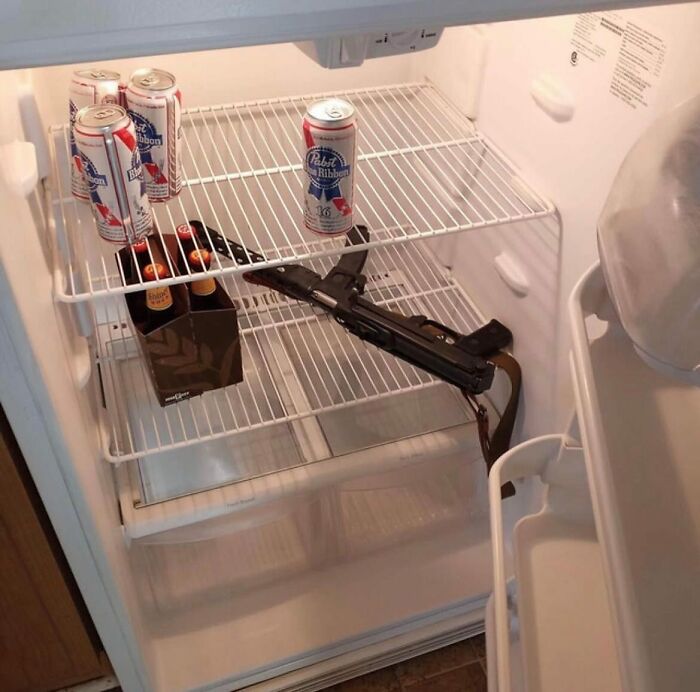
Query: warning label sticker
(635,54)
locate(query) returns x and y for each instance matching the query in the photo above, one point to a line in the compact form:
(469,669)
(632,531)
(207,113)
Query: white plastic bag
(649,243)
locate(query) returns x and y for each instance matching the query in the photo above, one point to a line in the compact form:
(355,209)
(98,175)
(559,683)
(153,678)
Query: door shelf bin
(549,620)
(641,439)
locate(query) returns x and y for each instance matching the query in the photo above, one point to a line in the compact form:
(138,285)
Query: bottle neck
(204,287)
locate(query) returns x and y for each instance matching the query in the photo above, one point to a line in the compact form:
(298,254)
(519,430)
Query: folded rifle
(465,361)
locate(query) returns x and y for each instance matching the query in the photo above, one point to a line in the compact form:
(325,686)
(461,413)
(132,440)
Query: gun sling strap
(499,441)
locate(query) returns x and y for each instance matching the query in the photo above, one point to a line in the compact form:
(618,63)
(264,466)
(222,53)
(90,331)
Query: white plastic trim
(528,459)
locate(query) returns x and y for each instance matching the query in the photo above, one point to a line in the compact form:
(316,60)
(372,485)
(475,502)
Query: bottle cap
(140,246)
(199,259)
(185,231)
(153,271)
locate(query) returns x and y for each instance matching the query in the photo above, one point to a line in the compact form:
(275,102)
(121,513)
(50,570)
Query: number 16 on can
(330,133)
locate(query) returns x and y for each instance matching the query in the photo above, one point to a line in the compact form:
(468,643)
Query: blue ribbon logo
(146,134)
(325,168)
(92,177)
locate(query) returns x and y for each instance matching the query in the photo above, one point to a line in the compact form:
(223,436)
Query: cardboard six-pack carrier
(194,352)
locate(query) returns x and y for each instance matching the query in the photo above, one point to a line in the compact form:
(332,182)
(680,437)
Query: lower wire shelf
(297,361)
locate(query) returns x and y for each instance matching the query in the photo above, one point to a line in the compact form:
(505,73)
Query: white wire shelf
(297,362)
(423,170)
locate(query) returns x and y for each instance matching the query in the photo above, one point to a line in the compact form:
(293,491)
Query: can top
(98,74)
(100,117)
(333,113)
(152,79)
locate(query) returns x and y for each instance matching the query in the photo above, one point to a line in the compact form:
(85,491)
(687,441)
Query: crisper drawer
(549,625)
(317,517)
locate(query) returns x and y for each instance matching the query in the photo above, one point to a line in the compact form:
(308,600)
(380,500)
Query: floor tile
(439,661)
(478,645)
(383,680)
(469,678)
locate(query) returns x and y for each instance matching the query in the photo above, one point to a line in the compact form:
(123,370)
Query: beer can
(87,88)
(154,104)
(106,141)
(330,134)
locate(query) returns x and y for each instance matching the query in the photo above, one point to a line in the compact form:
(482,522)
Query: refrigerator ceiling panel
(39,33)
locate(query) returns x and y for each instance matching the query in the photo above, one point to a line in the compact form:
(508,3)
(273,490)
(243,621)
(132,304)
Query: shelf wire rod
(361,353)
(63,203)
(330,348)
(436,100)
(458,175)
(293,341)
(111,393)
(433,94)
(437,183)
(244,347)
(79,234)
(359,189)
(242,149)
(233,224)
(360,359)
(390,196)
(215,398)
(244,343)
(252,139)
(440,225)
(445,160)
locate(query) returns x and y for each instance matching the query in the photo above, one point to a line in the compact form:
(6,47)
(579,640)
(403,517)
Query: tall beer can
(154,104)
(106,141)
(87,87)
(330,134)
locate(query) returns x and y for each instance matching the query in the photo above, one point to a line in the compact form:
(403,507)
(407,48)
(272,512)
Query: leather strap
(492,447)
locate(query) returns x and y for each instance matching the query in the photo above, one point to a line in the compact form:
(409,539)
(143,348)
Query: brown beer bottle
(143,257)
(186,235)
(160,307)
(202,291)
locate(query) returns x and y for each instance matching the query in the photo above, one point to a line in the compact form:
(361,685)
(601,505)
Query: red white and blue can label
(87,87)
(330,134)
(106,141)
(154,104)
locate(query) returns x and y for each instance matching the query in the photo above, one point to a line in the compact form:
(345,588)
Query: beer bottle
(186,234)
(145,252)
(160,307)
(202,291)
(142,258)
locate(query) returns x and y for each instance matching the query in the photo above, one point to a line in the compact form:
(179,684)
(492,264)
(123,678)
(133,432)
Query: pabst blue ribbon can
(87,87)
(106,141)
(154,104)
(330,134)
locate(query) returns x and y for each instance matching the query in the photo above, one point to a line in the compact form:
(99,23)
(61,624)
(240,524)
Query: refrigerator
(332,514)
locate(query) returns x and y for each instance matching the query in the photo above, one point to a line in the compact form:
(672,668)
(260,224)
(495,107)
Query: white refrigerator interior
(331,513)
